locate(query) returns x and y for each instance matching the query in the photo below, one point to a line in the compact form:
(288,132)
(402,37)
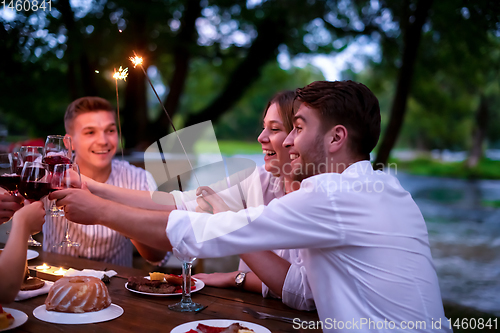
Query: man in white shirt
(363,239)
(91,124)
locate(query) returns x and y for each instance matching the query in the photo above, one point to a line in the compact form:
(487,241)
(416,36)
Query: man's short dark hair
(84,105)
(346,103)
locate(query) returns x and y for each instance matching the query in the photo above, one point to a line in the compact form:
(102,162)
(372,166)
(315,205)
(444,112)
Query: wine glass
(29,154)
(65,176)
(9,180)
(186,304)
(34,184)
(57,150)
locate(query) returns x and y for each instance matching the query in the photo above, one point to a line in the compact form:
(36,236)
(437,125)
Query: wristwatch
(240,279)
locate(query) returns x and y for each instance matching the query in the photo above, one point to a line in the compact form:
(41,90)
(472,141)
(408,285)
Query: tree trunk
(412,39)
(182,56)
(479,133)
(70,53)
(271,34)
(135,111)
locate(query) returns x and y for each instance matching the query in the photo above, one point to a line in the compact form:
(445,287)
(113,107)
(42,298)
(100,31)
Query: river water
(464,234)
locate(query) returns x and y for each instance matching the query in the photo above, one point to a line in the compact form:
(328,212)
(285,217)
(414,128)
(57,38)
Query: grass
(229,147)
(426,166)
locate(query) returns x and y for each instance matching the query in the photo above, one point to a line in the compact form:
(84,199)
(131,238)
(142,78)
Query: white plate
(111,312)
(32,254)
(197,286)
(218,323)
(19,318)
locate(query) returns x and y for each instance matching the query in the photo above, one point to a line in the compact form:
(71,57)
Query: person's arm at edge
(227,280)
(134,198)
(13,258)
(149,253)
(269,268)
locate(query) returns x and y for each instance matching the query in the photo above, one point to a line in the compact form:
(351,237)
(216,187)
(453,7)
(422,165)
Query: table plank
(144,313)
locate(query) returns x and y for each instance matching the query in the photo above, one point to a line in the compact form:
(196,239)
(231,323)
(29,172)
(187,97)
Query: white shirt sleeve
(302,219)
(239,190)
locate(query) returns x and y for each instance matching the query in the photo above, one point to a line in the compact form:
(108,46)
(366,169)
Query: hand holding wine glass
(9,180)
(65,176)
(57,150)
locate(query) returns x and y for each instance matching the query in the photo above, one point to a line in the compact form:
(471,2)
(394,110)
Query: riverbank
(428,166)
(469,317)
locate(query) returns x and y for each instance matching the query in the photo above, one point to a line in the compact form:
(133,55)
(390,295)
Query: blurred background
(434,65)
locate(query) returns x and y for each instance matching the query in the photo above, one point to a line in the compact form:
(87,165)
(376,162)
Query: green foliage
(426,166)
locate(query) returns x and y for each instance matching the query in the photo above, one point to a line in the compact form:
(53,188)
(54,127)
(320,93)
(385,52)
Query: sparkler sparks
(136,60)
(121,74)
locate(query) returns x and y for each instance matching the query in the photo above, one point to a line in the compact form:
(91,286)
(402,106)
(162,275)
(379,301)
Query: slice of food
(176,279)
(155,276)
(6,319)
(233,328)
(150,286)
(32,283)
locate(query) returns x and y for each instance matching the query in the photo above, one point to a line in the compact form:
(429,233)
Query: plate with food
(159,284)
(11,318)
(78,300)
(220,326)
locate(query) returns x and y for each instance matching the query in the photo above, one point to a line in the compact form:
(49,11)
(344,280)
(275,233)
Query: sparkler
(120,75)
(137,61)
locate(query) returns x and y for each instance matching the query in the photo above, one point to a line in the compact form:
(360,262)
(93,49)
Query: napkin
(22,295)
(89,272)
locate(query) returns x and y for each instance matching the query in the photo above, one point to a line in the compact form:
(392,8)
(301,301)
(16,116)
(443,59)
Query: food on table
(172,279)
(151,286)
(78,294)
(6,319)
(155,276)
(233,328)
(32,283)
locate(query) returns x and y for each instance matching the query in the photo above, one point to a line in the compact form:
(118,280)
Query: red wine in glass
(10,182)
(34,191)
(52,160)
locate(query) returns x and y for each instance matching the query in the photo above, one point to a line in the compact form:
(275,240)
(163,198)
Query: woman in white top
(279,273)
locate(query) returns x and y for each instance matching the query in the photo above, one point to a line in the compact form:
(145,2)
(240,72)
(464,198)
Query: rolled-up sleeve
(296,291)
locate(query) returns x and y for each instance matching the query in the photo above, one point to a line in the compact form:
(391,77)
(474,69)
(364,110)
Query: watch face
(240,278)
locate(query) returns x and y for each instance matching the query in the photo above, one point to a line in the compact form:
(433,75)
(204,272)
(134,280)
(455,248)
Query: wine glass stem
(186,280)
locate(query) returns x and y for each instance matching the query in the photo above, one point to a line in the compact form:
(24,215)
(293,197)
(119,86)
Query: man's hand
(210,202)
(80,206)
(9,204)
(32,216)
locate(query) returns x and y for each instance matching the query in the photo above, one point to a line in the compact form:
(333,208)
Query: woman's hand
(220,280)
(32,216)
(210,202)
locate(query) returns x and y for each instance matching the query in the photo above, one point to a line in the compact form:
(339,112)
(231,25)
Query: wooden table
(151,314)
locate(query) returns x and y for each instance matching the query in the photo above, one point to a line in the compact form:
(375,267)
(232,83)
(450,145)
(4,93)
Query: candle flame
(96,71)
(121,74)
(43,267)
(136,60)
(60,271)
